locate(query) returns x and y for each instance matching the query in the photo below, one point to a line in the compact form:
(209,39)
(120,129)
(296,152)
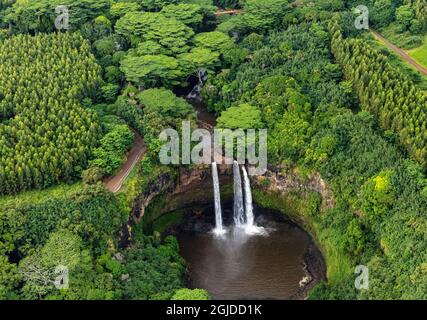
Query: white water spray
(248,200)
(250,226)
(219,229)
(239,210)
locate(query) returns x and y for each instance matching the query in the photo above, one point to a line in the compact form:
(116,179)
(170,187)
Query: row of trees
(385,92)
(45,134)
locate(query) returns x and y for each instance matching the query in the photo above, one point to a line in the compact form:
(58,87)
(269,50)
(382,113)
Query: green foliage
(354,240)
(155,5)
(112,150)
(93,175)
(167,221)
(189,14)
(405,40)
(104,46)
(153,110)
(11,232)
(385,92)
(259,15)
(109,92)
(285,81)
(127,108)
(40,15)
(377,197)
(289,138)
(303,98)
(68,228)
(165,103)
(244,116)
(151,70)
(198,58)
(49,136)
(404,16)
(9,278)
(63,248)
(170,33)
(214,41)
(188,294)
(119,9)
(383,12)
(93,213)
(155,270)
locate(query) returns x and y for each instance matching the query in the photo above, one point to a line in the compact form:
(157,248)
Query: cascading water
(244,219)
(248,200)
(219,229)
(239,210)
(195,93)
(250,226)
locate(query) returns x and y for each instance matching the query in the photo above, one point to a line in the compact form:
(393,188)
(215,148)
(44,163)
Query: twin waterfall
(243,208)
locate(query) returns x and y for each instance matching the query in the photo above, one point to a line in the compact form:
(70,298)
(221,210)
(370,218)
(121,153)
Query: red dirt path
(115,183)
(400,52)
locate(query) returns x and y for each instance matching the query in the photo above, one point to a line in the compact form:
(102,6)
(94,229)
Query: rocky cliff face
(197,180)
(163,183)
(279,181)
(194,185)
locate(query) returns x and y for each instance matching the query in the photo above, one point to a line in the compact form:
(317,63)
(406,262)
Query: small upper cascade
(195,93)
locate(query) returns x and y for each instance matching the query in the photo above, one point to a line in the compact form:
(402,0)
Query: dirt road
(400,52)
(232,12)
(115,183)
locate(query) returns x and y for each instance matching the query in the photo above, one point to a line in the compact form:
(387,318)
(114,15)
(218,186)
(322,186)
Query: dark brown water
(203,114)
(247,267)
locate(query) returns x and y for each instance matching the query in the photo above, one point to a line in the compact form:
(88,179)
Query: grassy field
(420,53)
(405,40)
(396,61)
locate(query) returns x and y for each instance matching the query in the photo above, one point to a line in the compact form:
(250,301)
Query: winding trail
(115,183)
(400,52)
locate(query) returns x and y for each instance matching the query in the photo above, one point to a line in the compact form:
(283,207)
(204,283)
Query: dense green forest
(45,133)
(72,101)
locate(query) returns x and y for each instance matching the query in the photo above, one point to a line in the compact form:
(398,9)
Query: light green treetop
(244,116)
(172,34)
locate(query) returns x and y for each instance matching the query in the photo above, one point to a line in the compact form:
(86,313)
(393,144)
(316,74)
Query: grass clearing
(405,40)
(396,61)
(420,54)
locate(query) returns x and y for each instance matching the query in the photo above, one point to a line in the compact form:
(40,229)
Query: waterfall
(244,219)
(195,93)
(239,211)
(250,227)
(219,229)
(248,200)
